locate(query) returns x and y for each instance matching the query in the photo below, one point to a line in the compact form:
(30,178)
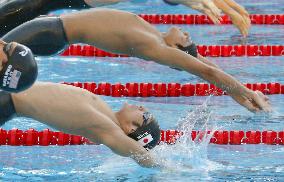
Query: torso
(64,107)
(112,30)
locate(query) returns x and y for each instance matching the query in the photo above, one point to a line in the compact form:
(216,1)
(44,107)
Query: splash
(188,155)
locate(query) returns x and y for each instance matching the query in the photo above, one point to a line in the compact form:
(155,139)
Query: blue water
(207,162)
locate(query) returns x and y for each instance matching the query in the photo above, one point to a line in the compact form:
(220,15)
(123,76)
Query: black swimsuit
(44,35)
(16,12)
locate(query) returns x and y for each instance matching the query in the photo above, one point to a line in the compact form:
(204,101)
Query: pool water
(186,161)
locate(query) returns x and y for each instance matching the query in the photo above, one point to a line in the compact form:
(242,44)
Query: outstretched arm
(253,101)
(122,145)
(203,60)
(206,61)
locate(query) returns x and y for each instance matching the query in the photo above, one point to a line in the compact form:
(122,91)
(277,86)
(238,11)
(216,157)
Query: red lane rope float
(234,137)
(46,137)
(204,50)
(16,137)
(168,89)
(260,19)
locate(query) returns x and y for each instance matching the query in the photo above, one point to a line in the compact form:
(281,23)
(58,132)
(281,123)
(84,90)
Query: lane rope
(204,50)
(135,89)
(46,137)
(199,19)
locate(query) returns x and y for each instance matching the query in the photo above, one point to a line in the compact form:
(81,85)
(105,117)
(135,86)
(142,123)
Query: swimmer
(129,132)
(126,33)
(18,67)
(16,12)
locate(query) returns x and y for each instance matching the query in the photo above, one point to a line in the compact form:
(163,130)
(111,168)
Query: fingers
(254,102)
(261,101)
(245,102)
(245,31)
(211,16)
(240,23)
(240,9)
(245,27)
(250,106)
(243,11)
(245,15)
(247,20)
(242,28)
(208,8)
(215,11)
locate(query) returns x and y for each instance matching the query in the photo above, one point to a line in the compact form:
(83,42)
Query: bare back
(112,30)
(65,107)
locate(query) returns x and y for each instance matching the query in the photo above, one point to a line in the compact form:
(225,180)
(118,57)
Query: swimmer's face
(178,37)
(134,117)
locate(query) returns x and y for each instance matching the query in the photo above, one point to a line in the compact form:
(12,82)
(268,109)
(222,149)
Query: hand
(241,22)
(205,6)
(241,10)
(254,101)
(238,14)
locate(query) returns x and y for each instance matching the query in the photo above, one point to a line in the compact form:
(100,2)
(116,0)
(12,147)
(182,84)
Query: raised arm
(205,6)
(253,101)
(237,7)
(213,8)
(237,13)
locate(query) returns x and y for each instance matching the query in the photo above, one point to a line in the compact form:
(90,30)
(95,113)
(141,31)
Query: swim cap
(20,72)
(170,3)
(191,49)
(148,135)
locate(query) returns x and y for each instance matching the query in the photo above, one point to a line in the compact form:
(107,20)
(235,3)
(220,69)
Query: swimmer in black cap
(18,68)
(16,12)
(126,33)
(129,132)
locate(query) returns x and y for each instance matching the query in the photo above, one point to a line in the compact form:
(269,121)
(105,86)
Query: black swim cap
(191,49)
(148,135)
(20,72)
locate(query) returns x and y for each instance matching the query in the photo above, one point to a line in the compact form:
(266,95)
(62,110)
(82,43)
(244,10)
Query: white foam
(185,154)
